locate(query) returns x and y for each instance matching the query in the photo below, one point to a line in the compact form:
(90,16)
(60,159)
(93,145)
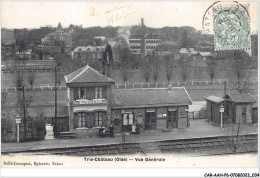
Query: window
(98,92)
(82,120)
(90,93)
(82,93)
(128,119)
(98,119)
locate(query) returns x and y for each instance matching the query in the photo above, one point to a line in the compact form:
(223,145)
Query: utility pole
(55,107)
(24,117)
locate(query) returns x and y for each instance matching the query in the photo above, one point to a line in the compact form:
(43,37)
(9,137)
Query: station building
(94,102)
(237,108)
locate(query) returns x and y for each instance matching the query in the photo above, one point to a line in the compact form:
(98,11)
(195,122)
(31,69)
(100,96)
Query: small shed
(237,108)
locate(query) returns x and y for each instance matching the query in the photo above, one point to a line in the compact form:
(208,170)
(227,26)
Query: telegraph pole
(24,116)
(55,107)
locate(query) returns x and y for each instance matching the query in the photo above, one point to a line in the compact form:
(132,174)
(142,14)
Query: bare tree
(6,124)
(184,64)
(168,67)
(31,79)
(19,82)
(156,68)
(125,73)
(22,106)
(211,68)
(233,136)
(146,70)
(240,71)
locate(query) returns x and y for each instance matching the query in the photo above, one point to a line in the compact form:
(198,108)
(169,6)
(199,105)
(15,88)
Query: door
(172,119)
(128,120)
(150,120)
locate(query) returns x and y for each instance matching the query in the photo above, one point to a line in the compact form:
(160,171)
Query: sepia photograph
(130,84)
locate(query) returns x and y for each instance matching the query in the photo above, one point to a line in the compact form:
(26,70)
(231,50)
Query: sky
(156,14)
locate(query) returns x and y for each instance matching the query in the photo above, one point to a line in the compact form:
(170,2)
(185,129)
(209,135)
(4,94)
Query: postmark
(229,22)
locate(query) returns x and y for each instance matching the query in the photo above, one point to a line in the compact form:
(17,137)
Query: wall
(161,122)
(255,115)
(248,113)
(215,114)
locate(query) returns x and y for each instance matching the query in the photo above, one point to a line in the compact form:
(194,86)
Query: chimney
(142,22)
(169,88)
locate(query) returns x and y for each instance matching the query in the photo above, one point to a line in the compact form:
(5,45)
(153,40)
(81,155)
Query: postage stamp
(230,25)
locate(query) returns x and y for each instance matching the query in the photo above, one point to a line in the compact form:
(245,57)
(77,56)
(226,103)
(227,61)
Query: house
(58,38)
(237,108)
(93,103)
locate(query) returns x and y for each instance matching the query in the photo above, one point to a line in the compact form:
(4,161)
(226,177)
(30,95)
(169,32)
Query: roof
(87,74)
(235,97)
(149,97)
(59,28)
(241,97)
(214,99)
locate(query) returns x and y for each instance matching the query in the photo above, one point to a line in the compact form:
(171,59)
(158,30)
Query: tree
(146,70)
(211,68)
(126,62)
(31,79)
(6,124)
(184,39)
(19,80)
(22,105)
(184,64)
(156,67)
(233,134)
(240,71)
(168,67)
(125,73)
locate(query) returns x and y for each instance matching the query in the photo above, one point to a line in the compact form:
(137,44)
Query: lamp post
(221,110)
(18,121)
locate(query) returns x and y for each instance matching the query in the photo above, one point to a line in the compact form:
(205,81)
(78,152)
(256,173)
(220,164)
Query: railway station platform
(198,129)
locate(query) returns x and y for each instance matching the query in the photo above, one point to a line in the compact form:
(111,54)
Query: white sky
(155,14)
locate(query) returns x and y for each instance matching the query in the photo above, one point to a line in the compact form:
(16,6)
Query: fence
(178,84)
(51,69)
(41,88)
(197,114)
(44,87)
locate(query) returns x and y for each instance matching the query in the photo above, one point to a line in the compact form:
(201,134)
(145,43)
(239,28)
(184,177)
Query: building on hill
(237,108)
(165,49)
(94,103)
(152,41)
(58,38)
(145,42)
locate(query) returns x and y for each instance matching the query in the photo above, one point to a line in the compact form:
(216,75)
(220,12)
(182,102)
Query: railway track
(165,146)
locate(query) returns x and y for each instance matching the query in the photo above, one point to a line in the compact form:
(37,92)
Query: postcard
(127,84)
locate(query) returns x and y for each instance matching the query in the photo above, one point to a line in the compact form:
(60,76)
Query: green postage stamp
(231,25)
